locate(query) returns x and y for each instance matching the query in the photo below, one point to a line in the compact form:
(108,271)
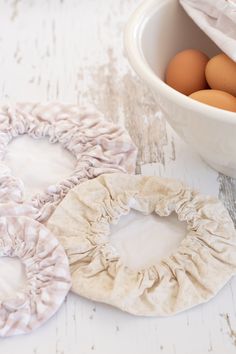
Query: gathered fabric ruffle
(47,274)
(204,261)
(98,146)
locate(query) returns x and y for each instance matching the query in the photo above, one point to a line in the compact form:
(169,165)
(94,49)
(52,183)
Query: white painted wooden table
(72,50)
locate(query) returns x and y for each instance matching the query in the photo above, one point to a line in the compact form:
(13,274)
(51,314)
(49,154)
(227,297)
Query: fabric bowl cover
(98,146)
(217,18)
(47,275)
(204,261)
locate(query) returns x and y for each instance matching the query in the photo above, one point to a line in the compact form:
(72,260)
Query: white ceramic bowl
(156,31)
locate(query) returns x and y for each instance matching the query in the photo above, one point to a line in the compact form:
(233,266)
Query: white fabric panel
(12,275)
(38,163)
(142,241)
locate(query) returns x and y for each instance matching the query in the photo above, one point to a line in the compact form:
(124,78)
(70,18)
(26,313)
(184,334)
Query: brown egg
(216,98)
(221,74)
(186,71)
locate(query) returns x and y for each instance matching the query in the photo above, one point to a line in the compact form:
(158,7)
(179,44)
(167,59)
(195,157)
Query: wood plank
(72,51)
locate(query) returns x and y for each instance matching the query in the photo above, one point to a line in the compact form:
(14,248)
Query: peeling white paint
(72,51)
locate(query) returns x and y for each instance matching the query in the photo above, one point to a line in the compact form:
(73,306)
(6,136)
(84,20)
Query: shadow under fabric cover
(47,274)
(204,261)
(97,145)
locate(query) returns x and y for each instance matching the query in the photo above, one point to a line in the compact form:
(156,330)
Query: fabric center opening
(12,277)
(38,163)
(143,240)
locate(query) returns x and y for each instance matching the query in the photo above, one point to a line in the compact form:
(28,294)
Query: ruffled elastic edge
(47,275)
(98,146)
(194,273)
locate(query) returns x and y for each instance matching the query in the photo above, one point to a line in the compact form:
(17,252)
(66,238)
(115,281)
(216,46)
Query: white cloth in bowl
(217,18)
(98,146)
(204,261)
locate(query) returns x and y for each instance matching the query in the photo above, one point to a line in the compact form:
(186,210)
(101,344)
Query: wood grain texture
(227,193)
(72,50)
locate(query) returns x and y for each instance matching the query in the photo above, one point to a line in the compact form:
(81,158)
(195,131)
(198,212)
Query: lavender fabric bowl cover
(47,274)
(98,146)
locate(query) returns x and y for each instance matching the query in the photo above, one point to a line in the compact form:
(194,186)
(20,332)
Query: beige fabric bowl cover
(194,273)
(98,146)
(47,272)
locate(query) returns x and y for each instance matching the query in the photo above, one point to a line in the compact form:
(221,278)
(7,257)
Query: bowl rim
(132,43)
